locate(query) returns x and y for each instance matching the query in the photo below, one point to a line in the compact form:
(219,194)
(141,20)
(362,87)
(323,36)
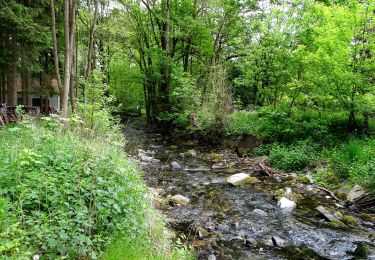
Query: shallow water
(229,229)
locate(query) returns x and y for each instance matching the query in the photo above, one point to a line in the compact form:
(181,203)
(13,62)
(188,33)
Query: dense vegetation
(68,191)
(298,75)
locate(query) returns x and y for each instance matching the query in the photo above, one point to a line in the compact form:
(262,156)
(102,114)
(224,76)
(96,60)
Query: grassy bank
(67,191)
(305,141)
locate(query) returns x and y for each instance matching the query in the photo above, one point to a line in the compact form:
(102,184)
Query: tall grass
(66,192)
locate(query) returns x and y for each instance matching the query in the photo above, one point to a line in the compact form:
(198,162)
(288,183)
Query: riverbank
(69,191)
(324,147)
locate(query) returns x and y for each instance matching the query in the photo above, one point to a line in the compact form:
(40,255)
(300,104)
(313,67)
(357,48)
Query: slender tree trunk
(24,88)
(12,83)
(55,47)
(90,47)
(2,87)
(28,87)
(72,96)
(67,61)
(72,60)
(165,47)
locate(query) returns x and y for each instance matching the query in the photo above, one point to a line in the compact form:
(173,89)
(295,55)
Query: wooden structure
(10,115)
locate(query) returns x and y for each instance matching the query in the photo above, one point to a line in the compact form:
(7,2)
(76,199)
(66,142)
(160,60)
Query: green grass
(353,160)
(66,192)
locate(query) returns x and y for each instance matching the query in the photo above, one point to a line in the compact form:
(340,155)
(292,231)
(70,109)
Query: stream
(223,221)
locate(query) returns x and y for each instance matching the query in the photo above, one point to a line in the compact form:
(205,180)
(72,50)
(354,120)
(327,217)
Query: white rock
(36,257)
(148,159)
(145,158)
(179,199)
(285,203)
(176,166)
(238,178)
(241,178)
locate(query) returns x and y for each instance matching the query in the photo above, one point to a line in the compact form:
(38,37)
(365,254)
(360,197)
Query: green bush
(65,192)
(240,123)
(354,160)
(292,158)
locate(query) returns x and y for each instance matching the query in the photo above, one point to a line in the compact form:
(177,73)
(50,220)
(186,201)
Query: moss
(361,251)
(304,179)
(349,220)
(279,193)
(215,157)
(231,171)
(295,196)
(337,224)
(252,180)
(289,178)
(202,232)
(367,217)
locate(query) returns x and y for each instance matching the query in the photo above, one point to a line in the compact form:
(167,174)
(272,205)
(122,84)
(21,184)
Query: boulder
(356,193)
(176,166)
(179,199)
(211,257)
(285,203)
(326,214)
(241,179)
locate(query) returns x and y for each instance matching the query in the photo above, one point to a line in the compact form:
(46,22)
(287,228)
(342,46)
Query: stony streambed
(264,217)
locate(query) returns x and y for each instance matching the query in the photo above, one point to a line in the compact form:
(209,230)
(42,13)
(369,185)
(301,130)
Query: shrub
(240,123)
(295,157)
(354,160)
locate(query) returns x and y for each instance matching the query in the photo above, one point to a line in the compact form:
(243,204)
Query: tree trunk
(12,83)
(166,6)
(72,96)
(55,47)
(90,47)
(72,60)
(67,61)
(28,87)
(2,87)
(24,88)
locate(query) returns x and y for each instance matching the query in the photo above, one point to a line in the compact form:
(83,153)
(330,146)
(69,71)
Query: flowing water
(220,220)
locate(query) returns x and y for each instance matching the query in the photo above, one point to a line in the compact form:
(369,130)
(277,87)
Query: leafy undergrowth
(68,193)
(352,161)
(307,141)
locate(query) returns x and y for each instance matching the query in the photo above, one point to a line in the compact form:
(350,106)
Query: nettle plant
(64,193)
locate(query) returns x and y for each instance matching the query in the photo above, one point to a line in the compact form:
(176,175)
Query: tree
(69,24)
